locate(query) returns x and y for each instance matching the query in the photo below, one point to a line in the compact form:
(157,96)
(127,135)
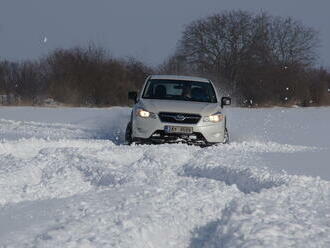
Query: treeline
(77,76)
(258,59)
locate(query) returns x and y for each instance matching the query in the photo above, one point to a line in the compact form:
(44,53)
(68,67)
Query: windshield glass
(179,90)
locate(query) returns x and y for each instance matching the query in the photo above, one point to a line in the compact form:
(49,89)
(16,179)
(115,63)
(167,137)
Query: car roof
(183,78)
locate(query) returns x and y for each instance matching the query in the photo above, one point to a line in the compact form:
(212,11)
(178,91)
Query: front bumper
(153,129)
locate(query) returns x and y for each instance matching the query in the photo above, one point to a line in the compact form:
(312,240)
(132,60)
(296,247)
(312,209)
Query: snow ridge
(247,180)
(296,215)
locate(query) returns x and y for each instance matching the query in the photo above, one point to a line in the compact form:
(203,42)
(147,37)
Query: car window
(179,90)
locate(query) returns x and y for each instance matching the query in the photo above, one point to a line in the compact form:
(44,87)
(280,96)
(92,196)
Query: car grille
(179,117)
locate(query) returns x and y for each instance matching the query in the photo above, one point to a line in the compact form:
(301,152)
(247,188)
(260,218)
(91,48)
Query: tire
(128,134)
(226,137)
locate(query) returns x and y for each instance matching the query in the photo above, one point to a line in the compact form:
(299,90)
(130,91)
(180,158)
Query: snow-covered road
(67,180)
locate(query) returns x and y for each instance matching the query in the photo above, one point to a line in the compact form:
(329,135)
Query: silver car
(174,109)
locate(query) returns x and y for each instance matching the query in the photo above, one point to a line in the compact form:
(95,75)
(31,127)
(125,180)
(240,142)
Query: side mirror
(225,101)
(132,95)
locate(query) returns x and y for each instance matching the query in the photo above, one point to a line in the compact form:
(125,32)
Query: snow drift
(67,180)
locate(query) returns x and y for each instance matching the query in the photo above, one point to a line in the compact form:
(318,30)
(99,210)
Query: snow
(67,180)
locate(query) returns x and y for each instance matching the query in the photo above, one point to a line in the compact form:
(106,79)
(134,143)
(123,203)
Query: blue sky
(145,29)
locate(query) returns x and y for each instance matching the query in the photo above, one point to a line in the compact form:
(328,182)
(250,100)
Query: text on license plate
(178,129)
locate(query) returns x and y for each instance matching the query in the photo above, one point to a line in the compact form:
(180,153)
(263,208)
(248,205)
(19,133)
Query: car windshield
(181,90)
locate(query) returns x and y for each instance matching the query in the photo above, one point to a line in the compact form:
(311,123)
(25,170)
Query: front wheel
(226,137)
(128,134)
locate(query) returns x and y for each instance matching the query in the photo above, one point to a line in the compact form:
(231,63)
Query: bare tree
(90,76)
(247,50)
(218,43)
(224,42)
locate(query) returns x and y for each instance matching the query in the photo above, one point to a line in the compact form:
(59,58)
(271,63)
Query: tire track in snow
(292,215)
(17,130)
(227,166)
(163,205)
(274,208)
(247,180)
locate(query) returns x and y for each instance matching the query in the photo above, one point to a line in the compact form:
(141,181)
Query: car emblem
(180,117)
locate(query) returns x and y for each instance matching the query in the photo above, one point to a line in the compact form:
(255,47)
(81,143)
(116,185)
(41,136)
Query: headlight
(217,117)
(145,114)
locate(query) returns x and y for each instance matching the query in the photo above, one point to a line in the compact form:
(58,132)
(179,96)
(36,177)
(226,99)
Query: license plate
(178,129)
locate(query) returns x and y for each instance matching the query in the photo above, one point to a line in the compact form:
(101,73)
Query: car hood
(156,106)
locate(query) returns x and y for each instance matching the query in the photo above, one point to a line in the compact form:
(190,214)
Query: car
(177,109)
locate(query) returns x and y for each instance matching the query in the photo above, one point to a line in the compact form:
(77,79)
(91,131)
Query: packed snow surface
(68,180)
